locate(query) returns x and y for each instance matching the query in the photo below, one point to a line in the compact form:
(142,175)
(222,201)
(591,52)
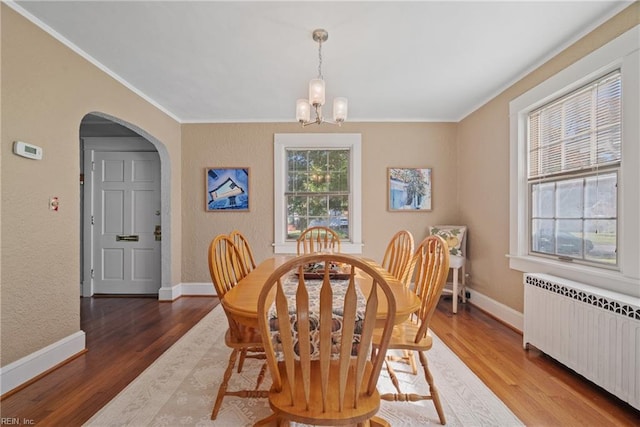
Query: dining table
(241,301)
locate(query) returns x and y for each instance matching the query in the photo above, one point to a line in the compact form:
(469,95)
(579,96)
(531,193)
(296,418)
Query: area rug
(180,387)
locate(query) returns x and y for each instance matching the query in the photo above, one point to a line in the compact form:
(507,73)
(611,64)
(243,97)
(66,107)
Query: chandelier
(316,94)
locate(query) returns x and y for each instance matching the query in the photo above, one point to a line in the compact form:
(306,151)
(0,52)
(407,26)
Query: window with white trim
(317,183)
(575,169)
(574,156)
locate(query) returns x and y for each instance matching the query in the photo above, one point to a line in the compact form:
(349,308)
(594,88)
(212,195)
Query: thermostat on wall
(29,151)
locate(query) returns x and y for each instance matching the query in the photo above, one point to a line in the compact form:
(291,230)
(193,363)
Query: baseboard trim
(501,312)
(170,293)
(198,289)
(186,290)
(23,370)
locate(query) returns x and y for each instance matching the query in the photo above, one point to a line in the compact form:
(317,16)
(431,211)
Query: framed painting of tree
(409,189)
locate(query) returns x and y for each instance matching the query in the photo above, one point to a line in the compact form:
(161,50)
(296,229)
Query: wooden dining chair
(431,268)
(397,257)
(397,261)
(227,269)
(318,239)
(320,377)
(246,254)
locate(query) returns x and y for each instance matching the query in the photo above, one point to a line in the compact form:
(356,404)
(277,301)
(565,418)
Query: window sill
(604,279)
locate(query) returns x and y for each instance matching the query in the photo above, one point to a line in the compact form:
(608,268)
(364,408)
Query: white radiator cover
(594,332)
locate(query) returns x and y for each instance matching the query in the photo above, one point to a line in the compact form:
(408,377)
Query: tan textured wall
(46,91)
(483,156)
(241,145)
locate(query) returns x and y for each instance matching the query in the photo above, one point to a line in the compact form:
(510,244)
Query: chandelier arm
(319,119)
(316,122)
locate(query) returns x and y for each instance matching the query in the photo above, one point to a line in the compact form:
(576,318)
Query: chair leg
(399,396)
(225,382)
(455,291)
(463,291)
(243,355)
(412,361)
(263,371)
(406,358)
(392,376)
(432,388)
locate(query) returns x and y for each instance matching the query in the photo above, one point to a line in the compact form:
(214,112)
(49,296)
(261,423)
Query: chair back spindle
(246,253)
(397,257)
(318,239)
(225,264)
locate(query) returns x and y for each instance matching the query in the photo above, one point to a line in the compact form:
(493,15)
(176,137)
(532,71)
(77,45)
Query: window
(317,190)
(575,154)
(317,183)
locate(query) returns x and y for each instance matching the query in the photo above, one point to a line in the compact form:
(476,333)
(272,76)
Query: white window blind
(579,131)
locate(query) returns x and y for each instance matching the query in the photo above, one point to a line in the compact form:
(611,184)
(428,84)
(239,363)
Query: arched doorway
(104,270)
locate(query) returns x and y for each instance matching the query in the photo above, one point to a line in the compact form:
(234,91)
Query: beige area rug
(179,389)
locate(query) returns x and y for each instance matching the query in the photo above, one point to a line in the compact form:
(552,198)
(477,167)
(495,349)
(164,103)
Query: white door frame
(165,208)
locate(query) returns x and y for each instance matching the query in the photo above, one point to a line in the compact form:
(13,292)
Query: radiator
(594,332)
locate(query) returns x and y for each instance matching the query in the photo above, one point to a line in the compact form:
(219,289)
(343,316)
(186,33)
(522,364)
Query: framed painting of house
(409,189)
(227,189)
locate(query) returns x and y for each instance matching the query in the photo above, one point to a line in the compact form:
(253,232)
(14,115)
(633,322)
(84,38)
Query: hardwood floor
(125,335)
(539,390)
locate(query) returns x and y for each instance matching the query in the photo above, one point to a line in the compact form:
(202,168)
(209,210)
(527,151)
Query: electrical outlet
(467,294)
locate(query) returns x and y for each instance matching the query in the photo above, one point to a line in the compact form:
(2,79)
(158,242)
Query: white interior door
(126,222)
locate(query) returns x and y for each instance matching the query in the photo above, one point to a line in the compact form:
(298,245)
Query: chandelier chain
(320,60)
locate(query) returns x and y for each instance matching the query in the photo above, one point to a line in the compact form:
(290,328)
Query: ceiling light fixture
(316,94)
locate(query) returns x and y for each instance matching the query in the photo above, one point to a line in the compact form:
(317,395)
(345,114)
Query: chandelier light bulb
(340,109)
(316,92)
(303,110)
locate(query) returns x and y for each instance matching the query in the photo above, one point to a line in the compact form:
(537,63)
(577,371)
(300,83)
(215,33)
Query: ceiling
(239,61)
